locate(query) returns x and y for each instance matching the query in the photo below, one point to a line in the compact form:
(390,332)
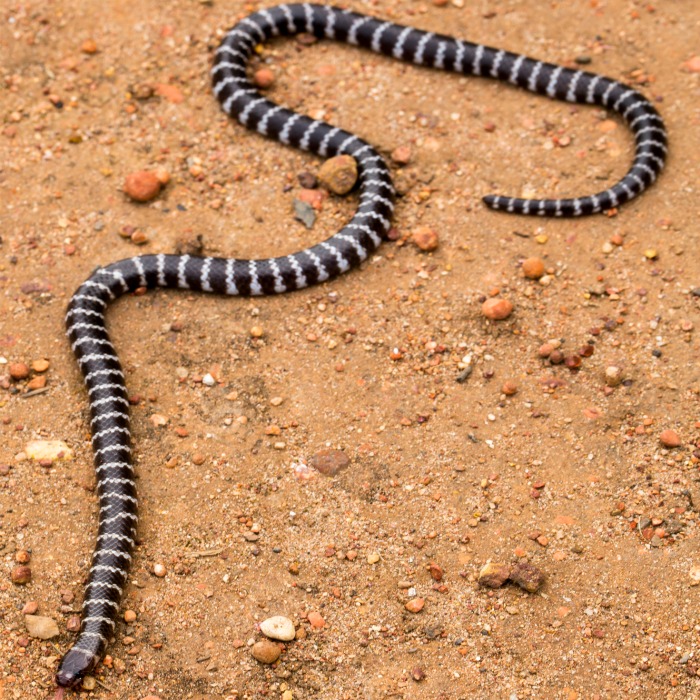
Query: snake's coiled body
(346,249)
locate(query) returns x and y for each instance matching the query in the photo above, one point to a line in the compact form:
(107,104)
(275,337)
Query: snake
(355,242)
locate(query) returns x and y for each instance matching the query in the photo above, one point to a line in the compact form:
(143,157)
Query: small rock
(21,575)
(418,674)
(159,570)
(509,388)
(695,576)
(613,375)
(142,186)
(266,652)
(693,64)
(373,558)
(22,556)
(316,620)
(18,370)
(73,623)
(307,180)
(425,238)
(41,627)
(257,332)
(329,462)
(436,571)
(89,46)
(48,450)
(36,383)
(304,212)
(497,309)
(401,155)
(263,78)
(415,605)
(339,174)
(669,438)
(533,268)
(278,627)
(493,574)
(30,607)
(527,576)
(129,616)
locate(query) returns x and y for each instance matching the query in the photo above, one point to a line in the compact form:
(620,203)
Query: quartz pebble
(497,309)
(339,174)
(278,627)
(143,185)
(669,438)
(425,238)
(49,450)
(159,570)
(266,652)
(41,627)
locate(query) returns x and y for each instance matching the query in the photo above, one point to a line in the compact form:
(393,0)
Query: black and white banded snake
(346,249)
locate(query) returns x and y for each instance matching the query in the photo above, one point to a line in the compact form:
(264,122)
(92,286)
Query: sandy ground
(440,471)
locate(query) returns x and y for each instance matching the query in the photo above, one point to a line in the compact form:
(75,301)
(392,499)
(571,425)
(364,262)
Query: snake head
(75,665)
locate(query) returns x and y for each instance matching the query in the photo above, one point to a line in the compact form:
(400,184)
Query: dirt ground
(566,473)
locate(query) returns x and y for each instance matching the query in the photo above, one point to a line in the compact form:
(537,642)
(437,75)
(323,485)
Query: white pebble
(278,627)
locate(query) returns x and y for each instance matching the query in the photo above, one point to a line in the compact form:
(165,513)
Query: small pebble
(373,558)
(142,186)
(497,309)
(257,332)
(18,370)
(307,180)
(89,46)
(613,375)
(527,576)
(22,556)
(266,652)
(669,438)
(425,238)
(41,627)
(278,627)
(415,605)
(316,620)
(509,388)
(418,674)
(339,174)
(493,574)
(21,575)
(129,616)
(159,570)
(40,365)
(329,462)
(263,78)
(30,607)
(401,155)
(50,450)
(533,268)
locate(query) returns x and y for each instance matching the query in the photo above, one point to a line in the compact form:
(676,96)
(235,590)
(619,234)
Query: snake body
(85,319)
